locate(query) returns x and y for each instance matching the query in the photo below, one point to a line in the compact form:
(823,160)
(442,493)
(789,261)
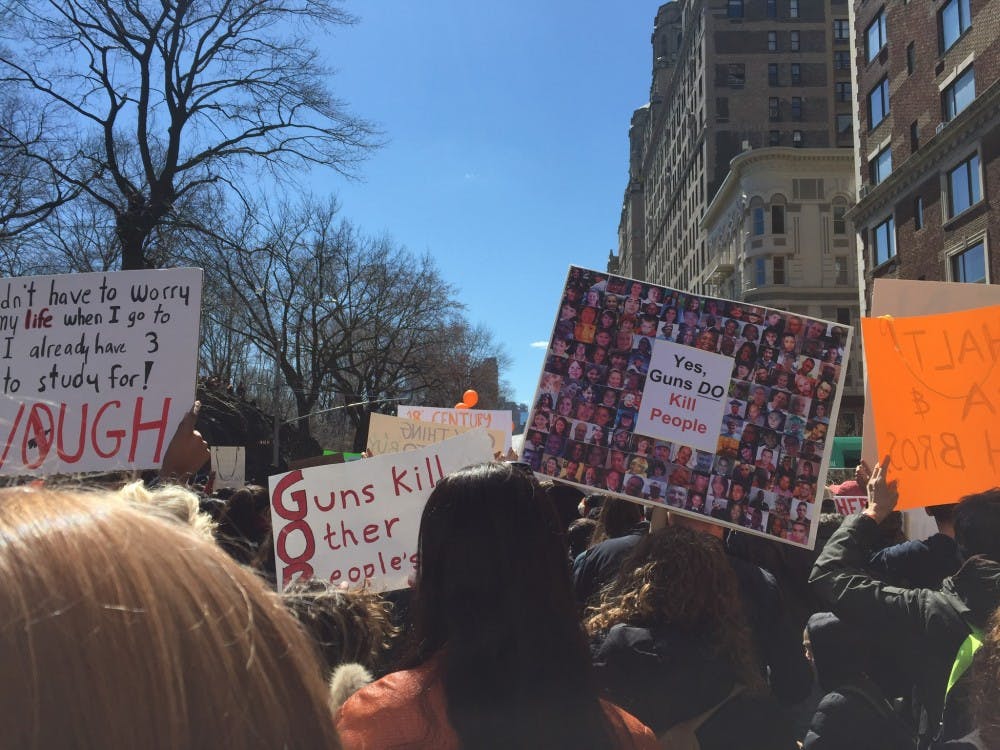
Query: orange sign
(935,394)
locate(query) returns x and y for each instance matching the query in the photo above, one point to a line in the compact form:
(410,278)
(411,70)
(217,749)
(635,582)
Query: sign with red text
(494,419)
(719,409)
(357,523)
(96,369)
(388,434)
(935,389)
(684,396)
(848,505)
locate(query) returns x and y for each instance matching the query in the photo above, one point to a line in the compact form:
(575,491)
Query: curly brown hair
(986,685)
(681,577)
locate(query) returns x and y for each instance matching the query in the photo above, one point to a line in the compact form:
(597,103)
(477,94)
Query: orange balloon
(470,398)
(461,405)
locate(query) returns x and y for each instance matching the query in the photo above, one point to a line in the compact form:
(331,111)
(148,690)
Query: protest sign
(848,505)
(388,434)
(96,369)
(934,386)
(906,297)
(494,419)
(358,522)
(718,409)
(229,463)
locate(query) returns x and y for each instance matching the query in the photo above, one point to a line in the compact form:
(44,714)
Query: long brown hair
(681,577)
(123,630)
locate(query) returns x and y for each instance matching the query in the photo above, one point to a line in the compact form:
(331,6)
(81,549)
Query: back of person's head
(616,518)
(566,500)
(840,651)
(347,626)
(493,597)
(977,525)
(578,536)
(680,577)
(126,630)
(986,685)
(173,502)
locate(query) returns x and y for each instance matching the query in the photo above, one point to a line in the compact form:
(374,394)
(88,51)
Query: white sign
(96,369)
(358,522)
(495,419)
(229,463)
(684,396)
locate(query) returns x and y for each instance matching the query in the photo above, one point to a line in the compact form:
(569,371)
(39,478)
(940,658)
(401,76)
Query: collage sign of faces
(777,408)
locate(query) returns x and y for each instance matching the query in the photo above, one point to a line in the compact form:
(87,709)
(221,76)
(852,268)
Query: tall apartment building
(778,236)
(928,157)
(728,76)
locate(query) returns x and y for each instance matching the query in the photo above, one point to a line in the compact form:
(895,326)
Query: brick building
(928,114)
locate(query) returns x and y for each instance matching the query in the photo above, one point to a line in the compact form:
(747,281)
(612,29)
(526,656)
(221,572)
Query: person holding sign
(500,659)
(922,628)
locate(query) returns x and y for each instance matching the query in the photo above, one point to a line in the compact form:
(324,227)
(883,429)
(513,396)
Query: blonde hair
(173,502)
(123,630)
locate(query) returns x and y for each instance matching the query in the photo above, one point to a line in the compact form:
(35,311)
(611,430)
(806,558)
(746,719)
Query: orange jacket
(407,710)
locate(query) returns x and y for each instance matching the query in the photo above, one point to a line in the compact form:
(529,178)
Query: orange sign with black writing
(935,392)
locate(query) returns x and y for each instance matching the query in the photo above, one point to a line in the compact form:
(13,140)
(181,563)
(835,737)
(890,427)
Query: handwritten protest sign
(718,409)
(907,297)
(96,369)
(388,434)
(935,391)
(494,419)
(358,522)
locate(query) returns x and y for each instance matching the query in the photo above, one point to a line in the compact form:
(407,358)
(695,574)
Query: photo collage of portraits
(777,413)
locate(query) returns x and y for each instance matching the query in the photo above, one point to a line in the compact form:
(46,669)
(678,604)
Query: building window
(772,8)
(970,265)
(839,220)
(911,57)
(793,8)
(845,125)
(760,272)
(963,186)
(772,74)
(758,221)
(842,91)
(842,60)
(796,107)
(772,41)
(884,241)
(735,9)
(875,38)
(796,74)
(953,20)
(797,138)
(881,166)
(721,109)
(878,103)
(840,265)
(774,138)
(918,213)
(841,30)
(774,108)
(777,219)
(778,270)
(959,94)
(914,136)
(736,76)
(794,41)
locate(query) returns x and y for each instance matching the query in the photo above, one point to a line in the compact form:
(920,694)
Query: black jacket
(599,565)
(924,627)
(664,675)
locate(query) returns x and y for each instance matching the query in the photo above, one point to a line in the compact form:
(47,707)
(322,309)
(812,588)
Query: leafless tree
(160,100)
(346,318)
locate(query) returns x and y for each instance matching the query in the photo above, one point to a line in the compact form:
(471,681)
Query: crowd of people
(145,615)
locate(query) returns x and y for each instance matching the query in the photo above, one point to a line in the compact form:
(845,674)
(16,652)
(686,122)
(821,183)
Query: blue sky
(508,145)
